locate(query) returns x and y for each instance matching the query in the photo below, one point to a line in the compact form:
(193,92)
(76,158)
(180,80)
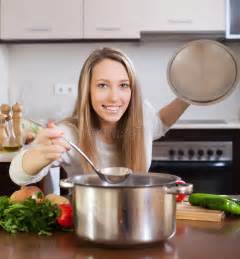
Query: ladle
(111,175)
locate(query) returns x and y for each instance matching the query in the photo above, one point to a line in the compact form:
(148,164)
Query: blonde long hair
(130,131)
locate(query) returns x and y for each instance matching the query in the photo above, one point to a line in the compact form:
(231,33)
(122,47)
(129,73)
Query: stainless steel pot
(140,210)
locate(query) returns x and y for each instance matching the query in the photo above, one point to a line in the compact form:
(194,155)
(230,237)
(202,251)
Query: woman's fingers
(51,152)
(45,136)
(51,124)
(50,144)
(62,143)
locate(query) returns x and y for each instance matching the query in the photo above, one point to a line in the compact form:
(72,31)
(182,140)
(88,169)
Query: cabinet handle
(108,28)
(174,21)
(38,29)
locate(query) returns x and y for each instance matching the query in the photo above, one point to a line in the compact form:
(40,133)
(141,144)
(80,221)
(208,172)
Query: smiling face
(110,91)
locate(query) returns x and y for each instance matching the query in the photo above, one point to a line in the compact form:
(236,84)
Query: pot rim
(150,180)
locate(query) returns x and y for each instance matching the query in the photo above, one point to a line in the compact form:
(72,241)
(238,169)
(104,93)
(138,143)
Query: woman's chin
(111,119)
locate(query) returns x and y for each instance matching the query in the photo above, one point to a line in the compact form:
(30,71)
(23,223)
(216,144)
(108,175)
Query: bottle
(3,133)
(5,111)
(10,142)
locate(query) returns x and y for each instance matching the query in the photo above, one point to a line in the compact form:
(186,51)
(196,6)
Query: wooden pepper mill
(3,132)
(5,110)
(17,123)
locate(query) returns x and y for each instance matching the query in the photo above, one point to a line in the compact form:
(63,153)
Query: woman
(110,123)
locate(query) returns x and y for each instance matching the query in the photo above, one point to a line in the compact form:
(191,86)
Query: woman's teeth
(113,109)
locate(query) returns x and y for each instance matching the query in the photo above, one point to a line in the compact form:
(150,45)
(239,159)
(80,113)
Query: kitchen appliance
(141,210)
(232,19)
(207,157)
(203,72)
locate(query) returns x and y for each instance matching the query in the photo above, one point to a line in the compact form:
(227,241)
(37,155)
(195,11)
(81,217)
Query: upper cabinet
(112,19)
(184,15)
(107,19)
(41,19)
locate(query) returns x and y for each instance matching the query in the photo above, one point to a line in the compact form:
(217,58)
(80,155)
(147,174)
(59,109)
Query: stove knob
(219,152)
(171,152)
(200,152)
(209,152)
(191,152)
(180,152)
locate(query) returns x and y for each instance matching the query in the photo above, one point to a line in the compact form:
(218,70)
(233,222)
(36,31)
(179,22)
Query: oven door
(206,176)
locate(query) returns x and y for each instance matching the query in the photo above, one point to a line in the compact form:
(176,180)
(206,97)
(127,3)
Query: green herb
(28,216)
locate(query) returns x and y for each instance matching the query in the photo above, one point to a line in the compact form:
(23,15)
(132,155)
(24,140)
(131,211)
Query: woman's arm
(46,148)
(172,111)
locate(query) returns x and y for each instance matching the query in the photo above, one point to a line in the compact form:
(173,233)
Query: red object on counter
(65,219)
(180,197)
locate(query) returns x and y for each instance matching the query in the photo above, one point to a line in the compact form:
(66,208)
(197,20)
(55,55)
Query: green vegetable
(216,202)
(28,216)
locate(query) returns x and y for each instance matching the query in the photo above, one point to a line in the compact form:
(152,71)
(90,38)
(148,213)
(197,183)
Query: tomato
(180,197)
(65,219)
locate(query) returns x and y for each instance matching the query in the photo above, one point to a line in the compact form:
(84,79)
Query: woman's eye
(102,85)
(124,85)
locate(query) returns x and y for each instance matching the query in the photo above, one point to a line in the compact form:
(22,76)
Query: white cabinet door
(184,15)
(112,19)
(41,19)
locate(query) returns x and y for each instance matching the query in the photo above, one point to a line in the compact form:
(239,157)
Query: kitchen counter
(206,124)
(193,239)
(7,156)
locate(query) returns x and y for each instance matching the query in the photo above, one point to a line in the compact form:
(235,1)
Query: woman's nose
(114,94)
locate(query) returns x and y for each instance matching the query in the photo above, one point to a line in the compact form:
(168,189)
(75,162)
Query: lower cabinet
(7,186)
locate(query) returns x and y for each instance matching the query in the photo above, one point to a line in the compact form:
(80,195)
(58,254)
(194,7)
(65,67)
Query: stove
(206,157)
(193,151)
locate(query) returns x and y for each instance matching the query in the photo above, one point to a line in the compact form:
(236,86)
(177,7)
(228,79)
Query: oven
(206,157)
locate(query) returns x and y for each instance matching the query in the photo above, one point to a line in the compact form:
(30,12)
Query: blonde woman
(110,123)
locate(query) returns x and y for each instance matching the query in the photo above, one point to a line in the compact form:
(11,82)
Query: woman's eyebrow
(102,79)
(107,80)
(124,80)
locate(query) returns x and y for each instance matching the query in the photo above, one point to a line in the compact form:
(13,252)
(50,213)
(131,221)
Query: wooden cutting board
(187,211)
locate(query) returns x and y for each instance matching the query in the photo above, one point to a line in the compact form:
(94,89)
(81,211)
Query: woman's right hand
(47,147)
(49,143)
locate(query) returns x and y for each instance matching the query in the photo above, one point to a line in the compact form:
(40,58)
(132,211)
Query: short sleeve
(152,122)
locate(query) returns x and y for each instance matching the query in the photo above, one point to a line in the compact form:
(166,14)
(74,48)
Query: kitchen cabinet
(184,15)
(41,19)
(7,187)
(112,19)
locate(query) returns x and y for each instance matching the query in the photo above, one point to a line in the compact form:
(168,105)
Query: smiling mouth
(111,109)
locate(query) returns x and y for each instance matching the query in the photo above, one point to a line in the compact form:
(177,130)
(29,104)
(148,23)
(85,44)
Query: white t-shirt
(153,129)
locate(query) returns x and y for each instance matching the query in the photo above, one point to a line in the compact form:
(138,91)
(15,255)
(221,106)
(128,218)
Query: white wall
(35,68)
(3,74)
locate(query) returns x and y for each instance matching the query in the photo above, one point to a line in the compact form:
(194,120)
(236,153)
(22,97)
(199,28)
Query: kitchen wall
(3,74)
(34,69)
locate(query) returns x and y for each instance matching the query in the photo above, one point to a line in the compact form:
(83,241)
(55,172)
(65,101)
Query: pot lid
(203,72)
(134,180)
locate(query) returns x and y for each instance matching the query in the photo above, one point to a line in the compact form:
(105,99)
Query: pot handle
(183,188)
(66,183)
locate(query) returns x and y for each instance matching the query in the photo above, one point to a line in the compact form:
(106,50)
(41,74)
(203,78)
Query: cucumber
(216,202)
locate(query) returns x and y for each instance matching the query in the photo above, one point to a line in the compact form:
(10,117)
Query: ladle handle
(82,153)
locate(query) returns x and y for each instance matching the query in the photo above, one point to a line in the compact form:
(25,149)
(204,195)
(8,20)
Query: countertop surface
(7,156)
(193,239)
(206,124)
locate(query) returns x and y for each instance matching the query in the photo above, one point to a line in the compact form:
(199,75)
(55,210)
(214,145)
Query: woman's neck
(108,134)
